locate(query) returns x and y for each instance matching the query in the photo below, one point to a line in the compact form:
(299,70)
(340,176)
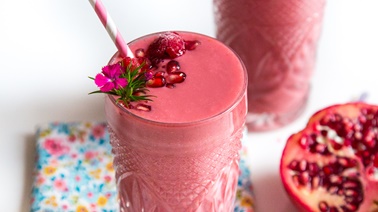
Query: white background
(49,47)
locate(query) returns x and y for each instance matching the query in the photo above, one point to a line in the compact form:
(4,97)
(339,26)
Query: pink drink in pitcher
(183,153)
(277,41)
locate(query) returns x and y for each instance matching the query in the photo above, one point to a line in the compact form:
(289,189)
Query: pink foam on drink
(183,155)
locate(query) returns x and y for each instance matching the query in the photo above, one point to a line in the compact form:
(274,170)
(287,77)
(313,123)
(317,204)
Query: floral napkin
(74,170)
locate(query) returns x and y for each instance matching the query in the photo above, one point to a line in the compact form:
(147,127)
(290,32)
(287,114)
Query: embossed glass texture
(277,41)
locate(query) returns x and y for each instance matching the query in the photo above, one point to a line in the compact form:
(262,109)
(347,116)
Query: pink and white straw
(111,28)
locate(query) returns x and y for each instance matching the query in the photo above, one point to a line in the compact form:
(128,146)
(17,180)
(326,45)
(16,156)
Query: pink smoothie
(277,42)
(183,154)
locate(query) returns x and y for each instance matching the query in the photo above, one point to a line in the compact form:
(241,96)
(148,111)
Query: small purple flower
(109,78)
(149,75)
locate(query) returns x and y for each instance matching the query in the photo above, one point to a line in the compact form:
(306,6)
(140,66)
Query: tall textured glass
(183,155)
(277,41)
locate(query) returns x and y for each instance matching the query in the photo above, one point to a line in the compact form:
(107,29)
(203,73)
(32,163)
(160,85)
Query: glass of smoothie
(180,151)
(277,41)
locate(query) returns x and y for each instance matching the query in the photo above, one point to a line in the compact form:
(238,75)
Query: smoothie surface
(215,79)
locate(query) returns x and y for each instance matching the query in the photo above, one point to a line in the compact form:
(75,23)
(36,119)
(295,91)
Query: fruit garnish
(126,79)
(167,46)
(331,165)
(191,44)
(130,77)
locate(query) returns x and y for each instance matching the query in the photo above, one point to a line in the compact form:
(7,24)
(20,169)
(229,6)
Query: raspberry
(167,46)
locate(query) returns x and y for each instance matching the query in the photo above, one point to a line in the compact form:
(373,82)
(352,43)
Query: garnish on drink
(130,78)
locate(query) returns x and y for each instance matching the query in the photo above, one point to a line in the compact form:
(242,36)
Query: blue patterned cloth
(74,170)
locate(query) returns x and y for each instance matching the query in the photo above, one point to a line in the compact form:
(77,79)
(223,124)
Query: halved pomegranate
(332,164)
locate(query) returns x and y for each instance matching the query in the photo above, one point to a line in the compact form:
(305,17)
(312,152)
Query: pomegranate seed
(302,166)
(358,135)
(159,74)
(176,77)
(369,140)
(340,192)
(355,143)
(156,82)
(333,189)
(335,145)
(335,179)
(350,192)
(313,169)
(357,127)
(304,142)
(191,45)
(295,179)
(374,122)
(325,120)
(294,165)
(375,161)
(139,53)
(349,199)
(324,133)
(346,162)
(323,206)
(307,141)
(333,209)
(143,107)
(321,148)
(139,93)
(327,170)
(351,184)
(304,178)
(172,66)
(337,168)
(170,85)
(366,161)
(350,207)
(364,111)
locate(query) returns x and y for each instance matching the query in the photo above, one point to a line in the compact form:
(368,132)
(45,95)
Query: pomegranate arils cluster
(169,45)
(312,176)
(332,165)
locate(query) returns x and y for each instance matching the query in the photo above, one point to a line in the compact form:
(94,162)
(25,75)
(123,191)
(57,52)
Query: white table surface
(49,47)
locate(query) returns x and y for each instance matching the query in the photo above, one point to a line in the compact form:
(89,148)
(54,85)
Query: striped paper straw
(111,28)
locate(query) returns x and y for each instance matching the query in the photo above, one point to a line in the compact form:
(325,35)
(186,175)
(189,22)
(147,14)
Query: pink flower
(60,185)
(109,78)
(90,194)
(40,180)
(54,147)
(108,195)
(89,155)
(107,178)
(98,131)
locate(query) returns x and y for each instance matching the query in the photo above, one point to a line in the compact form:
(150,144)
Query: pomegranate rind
(307,199)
